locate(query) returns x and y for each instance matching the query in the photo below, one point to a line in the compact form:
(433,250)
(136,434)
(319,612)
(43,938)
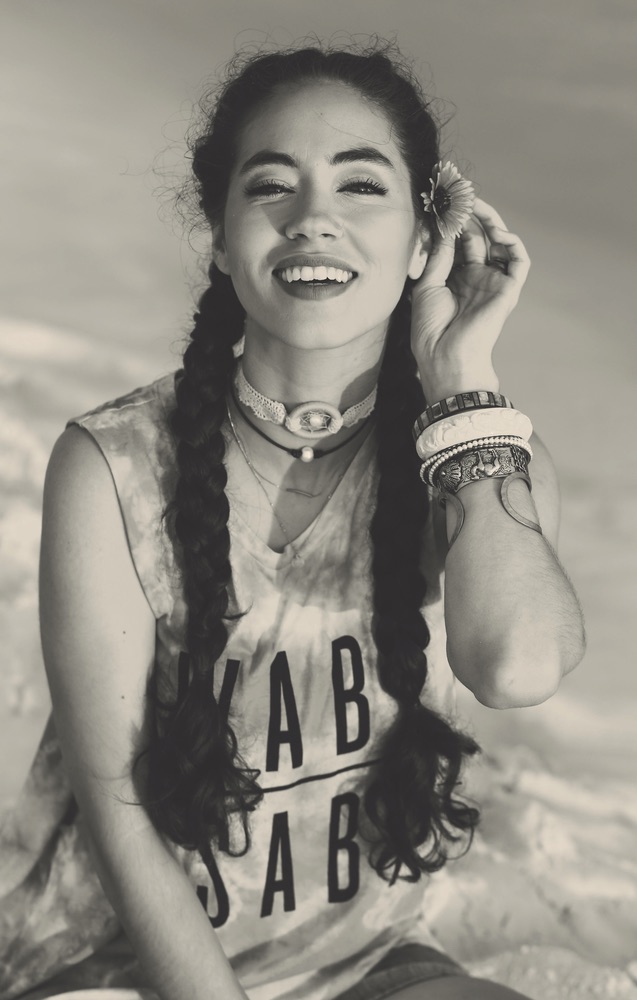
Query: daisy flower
(451,199)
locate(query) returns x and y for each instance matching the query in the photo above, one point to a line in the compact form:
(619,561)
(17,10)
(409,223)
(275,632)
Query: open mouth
(315,275)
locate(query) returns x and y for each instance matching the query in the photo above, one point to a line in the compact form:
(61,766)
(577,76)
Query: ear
(219,253)
(420,253)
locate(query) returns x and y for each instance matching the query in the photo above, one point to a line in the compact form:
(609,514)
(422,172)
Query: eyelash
(369,183)
(271,188)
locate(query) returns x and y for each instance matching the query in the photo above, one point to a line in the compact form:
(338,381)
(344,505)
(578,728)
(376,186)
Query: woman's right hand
(460,307)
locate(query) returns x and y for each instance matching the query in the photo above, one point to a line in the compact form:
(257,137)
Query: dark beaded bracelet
(478,399)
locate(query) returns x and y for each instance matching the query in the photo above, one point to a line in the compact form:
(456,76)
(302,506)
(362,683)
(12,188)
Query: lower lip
(308,291)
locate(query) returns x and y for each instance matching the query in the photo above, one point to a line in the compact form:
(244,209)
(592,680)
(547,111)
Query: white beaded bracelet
(461,427)
(428,468)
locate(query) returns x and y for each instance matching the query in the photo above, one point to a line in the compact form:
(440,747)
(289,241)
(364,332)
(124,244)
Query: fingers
(516,257)
(487,214)
(474,243)
(484,240)
(439,264)
(503,246)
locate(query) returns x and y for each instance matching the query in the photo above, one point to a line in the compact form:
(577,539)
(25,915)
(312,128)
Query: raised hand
(459,305)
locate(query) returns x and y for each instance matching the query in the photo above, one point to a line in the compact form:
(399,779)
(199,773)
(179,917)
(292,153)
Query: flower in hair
(451,199)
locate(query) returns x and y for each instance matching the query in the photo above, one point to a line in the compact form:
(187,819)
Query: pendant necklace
(296,554)
(288,489)
(283,489)
(306,453)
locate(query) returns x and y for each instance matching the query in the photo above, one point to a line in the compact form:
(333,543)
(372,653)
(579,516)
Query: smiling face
(319,231)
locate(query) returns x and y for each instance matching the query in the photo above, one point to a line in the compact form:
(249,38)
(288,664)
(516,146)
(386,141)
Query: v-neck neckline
(309,538)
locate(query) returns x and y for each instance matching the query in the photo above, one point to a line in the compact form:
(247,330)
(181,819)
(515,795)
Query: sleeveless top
(302,914)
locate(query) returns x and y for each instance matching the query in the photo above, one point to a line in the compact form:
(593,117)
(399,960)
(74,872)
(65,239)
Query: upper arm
(98,631)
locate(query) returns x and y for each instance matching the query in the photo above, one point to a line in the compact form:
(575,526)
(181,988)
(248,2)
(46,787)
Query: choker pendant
(314,419)
(304,454)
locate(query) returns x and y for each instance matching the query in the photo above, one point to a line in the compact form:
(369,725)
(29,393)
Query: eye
(366,186)
(268,188)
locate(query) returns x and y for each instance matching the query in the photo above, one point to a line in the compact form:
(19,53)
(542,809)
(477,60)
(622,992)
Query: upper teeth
(315,274)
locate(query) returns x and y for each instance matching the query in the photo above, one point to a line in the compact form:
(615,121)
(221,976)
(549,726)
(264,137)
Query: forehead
(314,118)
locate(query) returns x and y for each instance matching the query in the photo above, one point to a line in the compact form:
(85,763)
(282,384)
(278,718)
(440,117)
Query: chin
(331,331)
(332,326)
(326,337)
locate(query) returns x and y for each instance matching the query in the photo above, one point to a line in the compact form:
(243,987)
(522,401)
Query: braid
(196,776)
(410,800)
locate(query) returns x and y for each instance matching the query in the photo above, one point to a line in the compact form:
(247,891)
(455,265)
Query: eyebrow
(360,154)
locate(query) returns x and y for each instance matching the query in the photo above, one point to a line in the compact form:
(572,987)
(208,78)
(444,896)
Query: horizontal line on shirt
(320,777)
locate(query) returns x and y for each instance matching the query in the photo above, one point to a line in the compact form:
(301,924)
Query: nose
(313,215)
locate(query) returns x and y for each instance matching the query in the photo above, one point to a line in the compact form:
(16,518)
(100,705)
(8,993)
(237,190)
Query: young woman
(241,586)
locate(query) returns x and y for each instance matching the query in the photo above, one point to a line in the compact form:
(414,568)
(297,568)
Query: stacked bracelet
(461,427)
(429,467)
(475,400)
(460,447)
(482,463)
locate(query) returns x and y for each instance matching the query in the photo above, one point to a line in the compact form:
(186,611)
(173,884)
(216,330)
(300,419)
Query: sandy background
(96,281)
(96,289)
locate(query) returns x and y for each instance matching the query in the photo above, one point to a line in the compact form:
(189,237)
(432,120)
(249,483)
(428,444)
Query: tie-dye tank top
(302,914)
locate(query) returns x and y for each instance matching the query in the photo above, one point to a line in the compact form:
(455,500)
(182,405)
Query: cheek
(392,236)
(249,245)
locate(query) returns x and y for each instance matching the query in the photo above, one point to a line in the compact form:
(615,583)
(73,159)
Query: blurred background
(97,279)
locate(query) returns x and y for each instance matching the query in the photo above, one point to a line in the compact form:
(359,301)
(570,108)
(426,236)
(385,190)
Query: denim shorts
(403,966)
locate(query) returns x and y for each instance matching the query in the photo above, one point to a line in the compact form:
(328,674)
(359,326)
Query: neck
(341,375)
(279,467)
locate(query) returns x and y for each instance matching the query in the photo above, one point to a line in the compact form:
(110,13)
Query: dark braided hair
(195,774)
(410,798)
(196,779)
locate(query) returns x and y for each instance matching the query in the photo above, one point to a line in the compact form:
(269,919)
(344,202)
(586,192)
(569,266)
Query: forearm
(163,919)
(514,624)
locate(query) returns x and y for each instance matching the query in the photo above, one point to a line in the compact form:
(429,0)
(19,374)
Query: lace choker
(307,420)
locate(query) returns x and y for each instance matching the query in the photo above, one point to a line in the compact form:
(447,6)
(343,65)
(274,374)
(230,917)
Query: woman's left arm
(514,624)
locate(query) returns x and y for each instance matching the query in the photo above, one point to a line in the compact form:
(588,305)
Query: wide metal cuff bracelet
(482,463)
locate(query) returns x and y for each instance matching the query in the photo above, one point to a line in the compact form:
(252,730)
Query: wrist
(436,388)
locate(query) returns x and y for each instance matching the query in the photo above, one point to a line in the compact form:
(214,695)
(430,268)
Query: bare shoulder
(76,471)
(98,632)
(83,534)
